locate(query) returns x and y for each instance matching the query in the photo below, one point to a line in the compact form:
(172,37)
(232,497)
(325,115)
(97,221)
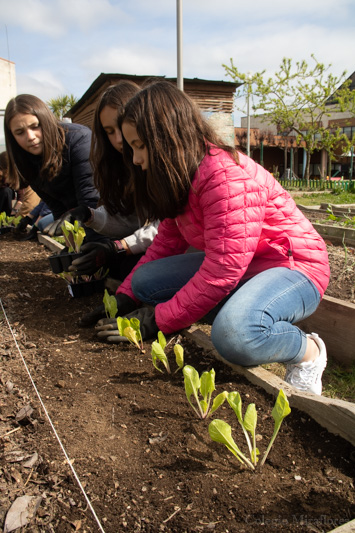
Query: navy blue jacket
(74,185)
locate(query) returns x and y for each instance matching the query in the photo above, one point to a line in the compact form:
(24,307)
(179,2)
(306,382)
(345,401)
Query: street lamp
(180,77)
(248,82)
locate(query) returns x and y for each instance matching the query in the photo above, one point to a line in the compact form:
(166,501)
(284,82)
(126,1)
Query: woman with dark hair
(50,156)
(261,268)
(115,217)
(7,194)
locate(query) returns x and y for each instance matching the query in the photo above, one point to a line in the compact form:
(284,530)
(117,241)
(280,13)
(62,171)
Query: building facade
(282,154)
(7,91)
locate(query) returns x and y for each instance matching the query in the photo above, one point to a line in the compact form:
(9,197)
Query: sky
(61,46)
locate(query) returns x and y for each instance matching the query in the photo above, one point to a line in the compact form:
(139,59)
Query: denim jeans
(45,221)
(253,325)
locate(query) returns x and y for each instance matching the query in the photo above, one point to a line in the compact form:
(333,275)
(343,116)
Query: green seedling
(69,277)
(202,386)
(221,432)
(248,424)
(280,411)
(6,221)
(100,274)
(110,304)
(158,354)
(74,235)
(130,328)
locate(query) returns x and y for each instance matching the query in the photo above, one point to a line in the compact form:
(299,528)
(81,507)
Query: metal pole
(180,78)
(248,122)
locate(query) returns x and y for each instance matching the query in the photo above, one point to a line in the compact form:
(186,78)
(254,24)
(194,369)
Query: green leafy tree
(296,98)
(346,100)
(61,105)
(332,141)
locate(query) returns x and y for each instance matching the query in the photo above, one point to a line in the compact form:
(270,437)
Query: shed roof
(212,87)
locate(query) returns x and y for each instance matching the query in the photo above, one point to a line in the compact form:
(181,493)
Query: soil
(144,460)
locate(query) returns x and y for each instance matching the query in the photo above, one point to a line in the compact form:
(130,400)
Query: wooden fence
(318,184)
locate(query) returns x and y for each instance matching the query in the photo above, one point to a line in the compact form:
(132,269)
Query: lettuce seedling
(130,328)
(202,386)
(74,235)
(221,432)
(158,354)
(280,411)
(249,422)
(69,277)
(110,304)
(6,221)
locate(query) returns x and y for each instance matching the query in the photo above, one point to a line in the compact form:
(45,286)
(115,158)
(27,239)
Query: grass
(338,381)
(334,197)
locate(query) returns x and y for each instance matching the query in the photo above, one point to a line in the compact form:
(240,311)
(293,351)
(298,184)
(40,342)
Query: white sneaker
(308,376)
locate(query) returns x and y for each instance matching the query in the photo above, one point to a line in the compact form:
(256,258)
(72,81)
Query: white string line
(51,424)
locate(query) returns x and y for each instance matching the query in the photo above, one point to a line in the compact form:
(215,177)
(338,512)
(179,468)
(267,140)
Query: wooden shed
(215,98)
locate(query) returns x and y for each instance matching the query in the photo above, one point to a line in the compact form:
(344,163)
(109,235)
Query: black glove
(81,213)
(125,305)
(95,255)
(22,225)
(29,235)
(107,327)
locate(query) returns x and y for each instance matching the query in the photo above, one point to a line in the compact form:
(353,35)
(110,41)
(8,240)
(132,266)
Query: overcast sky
(61,46)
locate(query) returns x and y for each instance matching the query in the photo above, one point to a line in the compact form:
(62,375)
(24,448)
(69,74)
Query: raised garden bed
(144,459)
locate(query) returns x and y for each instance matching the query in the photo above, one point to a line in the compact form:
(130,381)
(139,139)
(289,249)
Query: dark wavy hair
(177,137)
(21,165)
(111,175)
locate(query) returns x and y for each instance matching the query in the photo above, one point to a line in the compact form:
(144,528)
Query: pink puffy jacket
(245,222)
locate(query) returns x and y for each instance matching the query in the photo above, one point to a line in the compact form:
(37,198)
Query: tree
(331,141)
(61,105)
(346,100)
(295,99)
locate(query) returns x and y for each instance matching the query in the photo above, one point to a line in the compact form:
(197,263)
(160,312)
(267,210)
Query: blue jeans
(45,221)
(253,325)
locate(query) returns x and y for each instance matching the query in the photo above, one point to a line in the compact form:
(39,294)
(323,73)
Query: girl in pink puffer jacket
(259,267)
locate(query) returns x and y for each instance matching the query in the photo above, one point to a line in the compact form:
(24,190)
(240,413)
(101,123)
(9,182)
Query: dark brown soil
(144,460)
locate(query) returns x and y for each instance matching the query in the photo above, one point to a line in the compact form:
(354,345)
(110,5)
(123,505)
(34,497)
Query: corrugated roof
(102,78)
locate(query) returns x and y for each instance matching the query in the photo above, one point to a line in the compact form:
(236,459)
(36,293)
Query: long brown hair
(111,175)
(21,165)
(177,138)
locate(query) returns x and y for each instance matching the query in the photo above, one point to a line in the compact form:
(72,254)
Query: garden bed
(144,460)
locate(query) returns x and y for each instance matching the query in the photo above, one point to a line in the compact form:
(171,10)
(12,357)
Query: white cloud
(41,83)
(72,41)
(131,60)
(55,18)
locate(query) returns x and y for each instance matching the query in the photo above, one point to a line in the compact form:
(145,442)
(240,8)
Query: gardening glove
(107,329)
(29,235)
(22,225)
(95,255)
(81,213)
(125,305)
(54,228)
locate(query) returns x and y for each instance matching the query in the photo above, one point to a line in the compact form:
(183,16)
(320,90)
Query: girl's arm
(167,242)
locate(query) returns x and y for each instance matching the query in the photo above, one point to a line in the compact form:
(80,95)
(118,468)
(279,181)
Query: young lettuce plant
(158,354)
(130,328)
(6,221)
(202,386)
(74,235)
(221,432)
(110,304)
